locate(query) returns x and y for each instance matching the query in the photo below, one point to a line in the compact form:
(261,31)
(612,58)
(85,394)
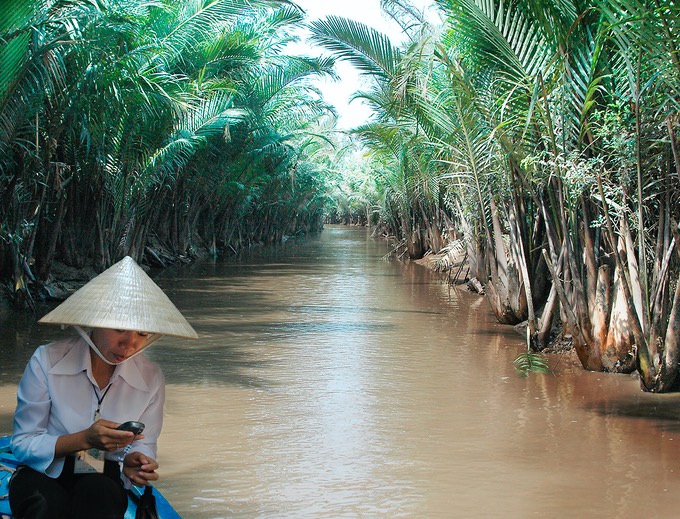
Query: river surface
(330,383)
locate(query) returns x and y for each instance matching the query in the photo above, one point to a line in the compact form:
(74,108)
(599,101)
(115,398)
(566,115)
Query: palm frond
(411,20)
(197,20)
(504,39)
(369,50)
(531,362)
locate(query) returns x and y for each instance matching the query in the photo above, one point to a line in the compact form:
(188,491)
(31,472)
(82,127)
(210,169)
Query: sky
(338,92)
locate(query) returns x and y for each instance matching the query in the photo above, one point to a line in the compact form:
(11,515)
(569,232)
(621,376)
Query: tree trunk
(618,354)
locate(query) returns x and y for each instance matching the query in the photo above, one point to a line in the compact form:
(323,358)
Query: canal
(329,382)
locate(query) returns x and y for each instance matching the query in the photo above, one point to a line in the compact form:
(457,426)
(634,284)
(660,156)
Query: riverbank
(63,279)
(451,266)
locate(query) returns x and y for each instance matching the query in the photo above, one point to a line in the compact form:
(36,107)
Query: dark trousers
(33,495)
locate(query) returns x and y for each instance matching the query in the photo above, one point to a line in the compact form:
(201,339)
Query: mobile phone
(135,427)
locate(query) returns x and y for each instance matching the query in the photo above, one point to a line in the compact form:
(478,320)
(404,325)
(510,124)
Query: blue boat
(8,463)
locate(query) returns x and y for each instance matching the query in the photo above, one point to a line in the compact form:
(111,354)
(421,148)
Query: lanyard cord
(96,415)
(99,400)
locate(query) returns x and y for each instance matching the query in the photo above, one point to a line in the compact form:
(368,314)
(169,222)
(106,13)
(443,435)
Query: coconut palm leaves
(517,111)
(139,100)
(644,38)
(370,51)
(574,71)
(413,193)
(531,362)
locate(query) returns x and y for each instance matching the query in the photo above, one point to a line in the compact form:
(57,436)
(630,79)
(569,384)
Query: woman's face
(118,345)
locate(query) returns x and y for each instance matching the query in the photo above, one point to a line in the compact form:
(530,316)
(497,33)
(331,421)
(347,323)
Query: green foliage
(519,124)
(370,51)
(531,362)
(141,114)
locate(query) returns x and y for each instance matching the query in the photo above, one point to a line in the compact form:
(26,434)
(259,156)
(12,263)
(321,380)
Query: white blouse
(58,395)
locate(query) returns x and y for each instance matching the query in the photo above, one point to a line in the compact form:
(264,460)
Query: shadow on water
(6,419)
(661,410)
(226,363)
(224,366)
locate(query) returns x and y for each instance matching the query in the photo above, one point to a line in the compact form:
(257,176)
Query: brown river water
(330,383)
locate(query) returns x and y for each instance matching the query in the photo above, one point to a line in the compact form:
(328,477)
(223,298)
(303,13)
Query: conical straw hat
(123,297)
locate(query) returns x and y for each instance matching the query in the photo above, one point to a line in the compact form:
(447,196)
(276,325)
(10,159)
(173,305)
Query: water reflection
(328,383)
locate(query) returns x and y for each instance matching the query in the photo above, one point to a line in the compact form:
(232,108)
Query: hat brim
(123,297)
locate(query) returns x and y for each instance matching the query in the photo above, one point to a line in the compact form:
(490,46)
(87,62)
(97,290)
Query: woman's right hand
(104,436)
(101,435)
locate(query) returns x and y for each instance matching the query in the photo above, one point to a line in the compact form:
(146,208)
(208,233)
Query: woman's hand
(101,435)
(104,436)
(140,469)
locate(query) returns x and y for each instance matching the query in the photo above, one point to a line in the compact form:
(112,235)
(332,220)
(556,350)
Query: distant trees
(545,133)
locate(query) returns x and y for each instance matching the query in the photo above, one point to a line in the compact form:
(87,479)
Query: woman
(75,393)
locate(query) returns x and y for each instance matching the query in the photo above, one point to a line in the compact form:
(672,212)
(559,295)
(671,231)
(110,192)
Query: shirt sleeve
(31,443)
(152,418)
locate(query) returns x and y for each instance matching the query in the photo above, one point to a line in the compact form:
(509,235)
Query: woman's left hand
(140,469)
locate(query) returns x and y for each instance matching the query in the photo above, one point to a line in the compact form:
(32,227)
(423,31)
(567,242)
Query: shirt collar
(130,372)
(77,360)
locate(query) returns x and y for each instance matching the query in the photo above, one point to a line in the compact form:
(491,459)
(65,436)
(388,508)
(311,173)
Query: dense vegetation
(154,128)
(544,135)
(540,138)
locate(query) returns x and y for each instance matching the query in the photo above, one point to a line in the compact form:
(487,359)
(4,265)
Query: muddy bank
(65,279)
(451,265)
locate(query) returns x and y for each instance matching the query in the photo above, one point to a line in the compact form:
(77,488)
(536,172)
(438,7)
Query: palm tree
(413,205)
(556,71)
(644,41)
(512,103)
